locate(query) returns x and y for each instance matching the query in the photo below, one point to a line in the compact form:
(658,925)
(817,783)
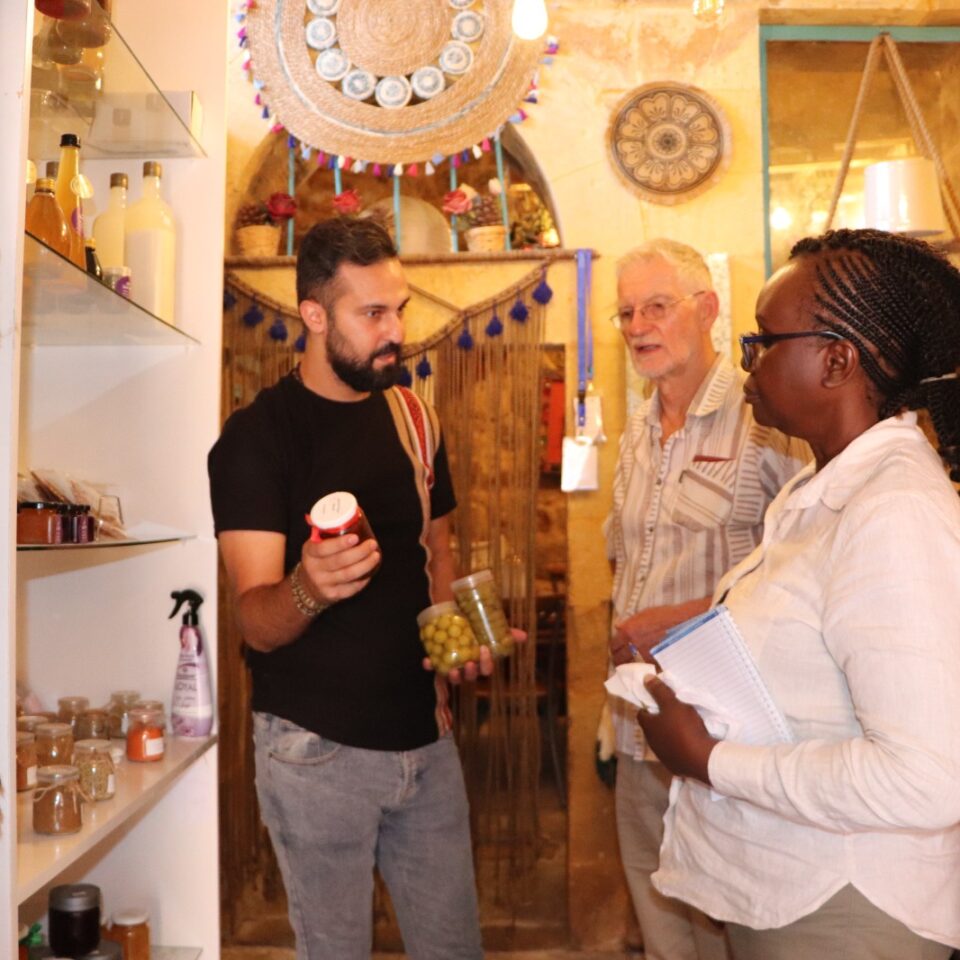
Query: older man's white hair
(690,266)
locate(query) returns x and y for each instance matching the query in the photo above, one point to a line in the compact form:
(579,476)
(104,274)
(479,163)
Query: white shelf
(41,859)
(129,117)
(174,953)
(63,306)
(138,535)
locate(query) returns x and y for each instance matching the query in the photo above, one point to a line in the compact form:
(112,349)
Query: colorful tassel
(277,128)
(265,114)
(424,369)
(413,170)
(465,341)
(258,84)
(519,311)
(429,169)
(495,326)
(229,300)
(477,152)
(258,100)
(543,294)
(455,160)
(300,344)
(465,156)
(404,378)
(485,146)
(278,330)
(437,159)
(253,317)
(291,141)
(376,170)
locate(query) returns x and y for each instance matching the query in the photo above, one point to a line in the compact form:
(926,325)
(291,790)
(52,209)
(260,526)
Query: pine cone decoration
(252,214)
(485,211)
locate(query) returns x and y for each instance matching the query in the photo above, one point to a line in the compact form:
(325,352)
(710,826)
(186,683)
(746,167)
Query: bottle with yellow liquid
(45,219)
(151,242)
(68,192)
(110,228)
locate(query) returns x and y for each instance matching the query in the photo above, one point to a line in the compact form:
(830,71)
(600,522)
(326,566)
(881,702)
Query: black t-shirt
(355,675)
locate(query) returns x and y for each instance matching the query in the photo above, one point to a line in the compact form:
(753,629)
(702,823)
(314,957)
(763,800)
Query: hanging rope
(884,45)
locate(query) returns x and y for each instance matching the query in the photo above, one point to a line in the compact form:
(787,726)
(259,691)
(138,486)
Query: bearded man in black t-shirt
(356,765)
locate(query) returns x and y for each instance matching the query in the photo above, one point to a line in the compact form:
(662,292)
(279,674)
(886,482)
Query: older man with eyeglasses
(693,480)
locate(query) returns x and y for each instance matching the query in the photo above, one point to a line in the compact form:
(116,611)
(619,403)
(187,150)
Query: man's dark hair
(329,243)
(901,297)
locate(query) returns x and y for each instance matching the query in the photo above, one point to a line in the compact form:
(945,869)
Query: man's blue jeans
(334,811)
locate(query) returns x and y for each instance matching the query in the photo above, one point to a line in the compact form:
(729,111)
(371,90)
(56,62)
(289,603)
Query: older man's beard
(362,375)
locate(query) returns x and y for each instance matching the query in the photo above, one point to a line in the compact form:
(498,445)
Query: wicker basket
(486,239)
(259,240)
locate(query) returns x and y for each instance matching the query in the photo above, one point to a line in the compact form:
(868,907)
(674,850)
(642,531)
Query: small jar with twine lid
(97,773)
(57,800)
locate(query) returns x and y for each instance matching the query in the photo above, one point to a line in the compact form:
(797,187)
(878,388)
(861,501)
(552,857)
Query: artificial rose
(281,206)
(347,202)
(456,202)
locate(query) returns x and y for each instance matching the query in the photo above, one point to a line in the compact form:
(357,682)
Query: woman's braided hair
(902,298)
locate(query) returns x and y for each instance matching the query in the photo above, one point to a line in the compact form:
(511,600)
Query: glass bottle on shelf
(68,182)
(82,83)
(151,246)
(45,220)
(93,261)
(109,229)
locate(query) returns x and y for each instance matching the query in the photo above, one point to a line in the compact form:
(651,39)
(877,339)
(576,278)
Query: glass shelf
(138,535)
(64,306)
(126,117)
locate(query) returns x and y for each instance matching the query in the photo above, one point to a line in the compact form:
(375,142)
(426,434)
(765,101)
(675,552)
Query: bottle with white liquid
(151,243)
(109,229)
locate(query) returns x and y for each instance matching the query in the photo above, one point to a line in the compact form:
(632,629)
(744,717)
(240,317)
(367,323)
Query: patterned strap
(418,428)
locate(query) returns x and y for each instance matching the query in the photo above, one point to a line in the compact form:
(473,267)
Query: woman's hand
(676,734)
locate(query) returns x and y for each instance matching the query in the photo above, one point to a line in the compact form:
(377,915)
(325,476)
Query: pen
(633,650)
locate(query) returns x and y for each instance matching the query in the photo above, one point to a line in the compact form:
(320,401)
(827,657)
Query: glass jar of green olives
(447,637)
(478,597)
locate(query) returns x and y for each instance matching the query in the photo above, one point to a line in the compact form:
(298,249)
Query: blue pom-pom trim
(253,317)
(494,327)
(229,300)
(465,341)
(300,344)
(278,330)
(542,294)
(424,369)
(519,311)
(404,378)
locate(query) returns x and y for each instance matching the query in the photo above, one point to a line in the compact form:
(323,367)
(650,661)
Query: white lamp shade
(903,196)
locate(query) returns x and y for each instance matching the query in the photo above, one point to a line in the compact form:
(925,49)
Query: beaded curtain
(482,372)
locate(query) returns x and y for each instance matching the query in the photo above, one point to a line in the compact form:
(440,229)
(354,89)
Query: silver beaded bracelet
(306,604)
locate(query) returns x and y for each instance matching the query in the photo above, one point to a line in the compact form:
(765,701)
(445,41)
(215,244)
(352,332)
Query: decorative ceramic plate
(393,92)
(321,33)
(427,82)
(333,64)
(358,84)
(455,58)
(669,141)
(460,4)
(467,27)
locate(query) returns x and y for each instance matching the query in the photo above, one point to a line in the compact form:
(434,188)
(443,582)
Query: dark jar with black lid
(74,919)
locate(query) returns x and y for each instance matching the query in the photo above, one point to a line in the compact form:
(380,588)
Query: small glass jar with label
(26,761)
(119,710)
(69,708)
(57,801)
(54,743)
(145,735)
(97,775)
(93,725)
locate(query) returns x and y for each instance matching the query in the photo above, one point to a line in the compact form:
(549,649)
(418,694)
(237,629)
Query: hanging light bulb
(529,19)
(710,10)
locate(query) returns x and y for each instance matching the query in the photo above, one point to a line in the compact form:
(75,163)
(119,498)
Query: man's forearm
(269,616)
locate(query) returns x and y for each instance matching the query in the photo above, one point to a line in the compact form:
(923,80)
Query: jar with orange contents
(129,928)
(145,739)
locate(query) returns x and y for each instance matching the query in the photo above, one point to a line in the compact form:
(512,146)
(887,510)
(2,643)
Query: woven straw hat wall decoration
(389,81)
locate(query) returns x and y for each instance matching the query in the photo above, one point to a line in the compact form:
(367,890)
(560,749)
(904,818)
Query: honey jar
(118,710)
(93,725)
(39,522)
(69,708)
(130,929)
(57,801)
(54,743)
(26,761)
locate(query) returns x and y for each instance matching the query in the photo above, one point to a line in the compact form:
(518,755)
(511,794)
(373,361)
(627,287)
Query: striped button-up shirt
(686,511)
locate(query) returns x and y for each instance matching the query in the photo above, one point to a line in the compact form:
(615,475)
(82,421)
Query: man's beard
(361,375)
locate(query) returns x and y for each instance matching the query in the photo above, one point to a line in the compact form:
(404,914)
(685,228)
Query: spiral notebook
(707,655)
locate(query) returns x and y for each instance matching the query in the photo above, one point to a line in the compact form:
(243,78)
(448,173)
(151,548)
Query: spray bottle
(192,708)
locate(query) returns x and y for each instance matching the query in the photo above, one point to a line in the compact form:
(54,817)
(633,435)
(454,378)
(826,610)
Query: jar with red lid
(145,735)
(336,515)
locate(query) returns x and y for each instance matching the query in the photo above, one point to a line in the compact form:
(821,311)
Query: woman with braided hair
(844,842)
